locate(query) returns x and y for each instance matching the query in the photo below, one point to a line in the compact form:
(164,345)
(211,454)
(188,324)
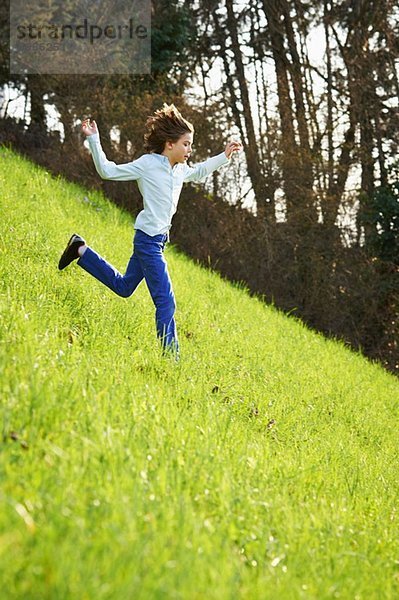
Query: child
(160,175)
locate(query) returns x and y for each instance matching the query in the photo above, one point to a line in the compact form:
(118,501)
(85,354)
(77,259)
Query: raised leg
(123,285)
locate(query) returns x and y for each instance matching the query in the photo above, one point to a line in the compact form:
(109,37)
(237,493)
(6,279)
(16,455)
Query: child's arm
(106,168)
(200,171)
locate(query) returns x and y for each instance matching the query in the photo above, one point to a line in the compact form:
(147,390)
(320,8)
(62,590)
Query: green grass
(263,465)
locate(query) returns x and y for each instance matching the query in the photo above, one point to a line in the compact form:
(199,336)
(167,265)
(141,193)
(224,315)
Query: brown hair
(165,125)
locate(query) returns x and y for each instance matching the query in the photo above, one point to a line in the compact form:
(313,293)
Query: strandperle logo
(83,31)
(97,37)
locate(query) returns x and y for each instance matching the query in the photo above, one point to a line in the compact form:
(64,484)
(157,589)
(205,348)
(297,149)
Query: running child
(160,174)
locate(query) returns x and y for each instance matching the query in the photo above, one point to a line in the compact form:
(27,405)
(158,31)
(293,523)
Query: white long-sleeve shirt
(159,183)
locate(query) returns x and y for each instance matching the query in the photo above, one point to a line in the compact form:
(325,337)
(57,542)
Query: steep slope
(263,465)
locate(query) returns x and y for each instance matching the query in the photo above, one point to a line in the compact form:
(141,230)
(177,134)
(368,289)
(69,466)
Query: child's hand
(231,147)
(89,127)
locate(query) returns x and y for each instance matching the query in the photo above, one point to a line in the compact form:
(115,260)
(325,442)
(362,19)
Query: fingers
(89,127)
(87,123)
(234,146)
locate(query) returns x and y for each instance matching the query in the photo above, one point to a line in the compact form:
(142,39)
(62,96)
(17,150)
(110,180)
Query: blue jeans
(147,262)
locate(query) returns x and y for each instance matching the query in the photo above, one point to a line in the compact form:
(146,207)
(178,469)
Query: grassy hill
(263,465)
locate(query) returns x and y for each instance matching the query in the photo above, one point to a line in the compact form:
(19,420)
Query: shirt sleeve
(108,169)
(200,171)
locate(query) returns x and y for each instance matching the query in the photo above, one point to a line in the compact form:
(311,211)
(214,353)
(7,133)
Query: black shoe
(71,251)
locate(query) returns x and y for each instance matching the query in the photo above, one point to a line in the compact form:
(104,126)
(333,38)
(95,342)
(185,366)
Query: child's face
(180,151)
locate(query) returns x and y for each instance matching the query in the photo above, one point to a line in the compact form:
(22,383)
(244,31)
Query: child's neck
(172,162)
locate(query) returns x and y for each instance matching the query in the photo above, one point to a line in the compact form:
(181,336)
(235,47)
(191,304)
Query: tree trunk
(289,149)
(36,91)
(251,148)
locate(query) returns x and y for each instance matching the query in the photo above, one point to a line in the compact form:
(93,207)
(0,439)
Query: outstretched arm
(200,171)
(106,168)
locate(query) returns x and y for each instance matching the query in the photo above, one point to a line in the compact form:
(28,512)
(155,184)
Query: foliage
(172,36)
(380,213)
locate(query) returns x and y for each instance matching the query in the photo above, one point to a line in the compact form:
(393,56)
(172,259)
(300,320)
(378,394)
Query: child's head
(165,125)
